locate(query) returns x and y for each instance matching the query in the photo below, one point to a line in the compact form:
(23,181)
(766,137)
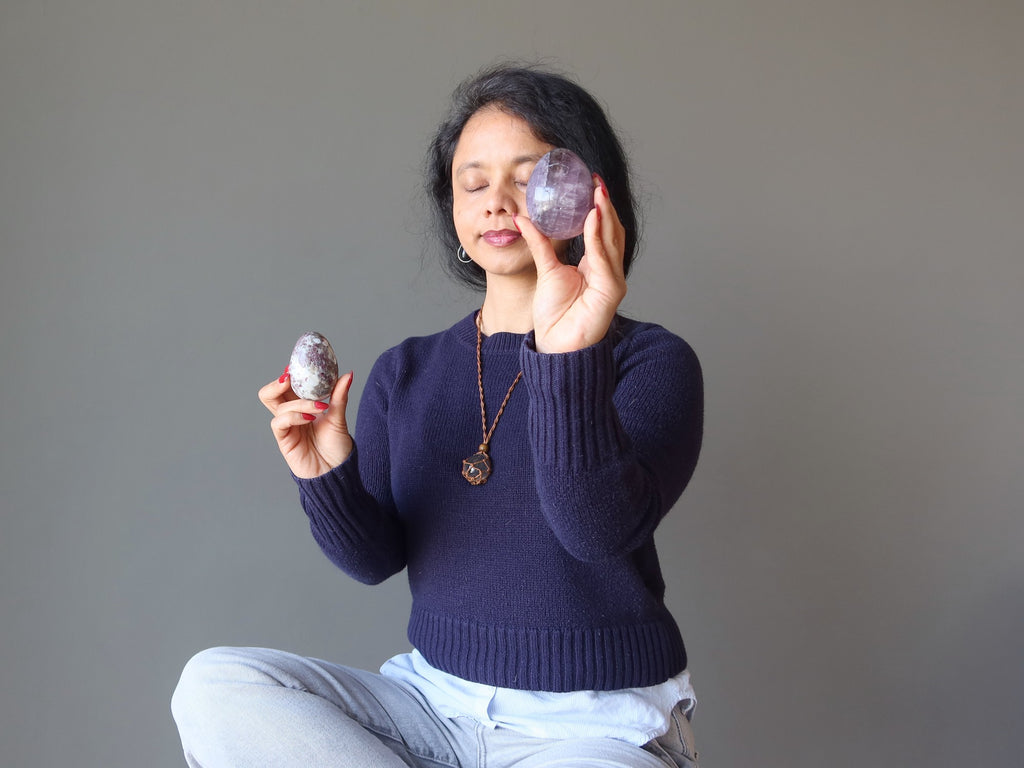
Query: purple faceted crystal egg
(313,368)
(560,194)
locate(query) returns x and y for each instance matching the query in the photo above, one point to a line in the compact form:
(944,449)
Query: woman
(516,465)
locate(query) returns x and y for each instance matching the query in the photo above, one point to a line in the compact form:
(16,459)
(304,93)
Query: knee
(202,683)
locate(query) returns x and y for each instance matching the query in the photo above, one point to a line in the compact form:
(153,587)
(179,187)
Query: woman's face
(490,169)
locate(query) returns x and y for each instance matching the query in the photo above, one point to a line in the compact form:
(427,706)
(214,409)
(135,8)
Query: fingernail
(284,375)
(308,416)
(516,224)
(320,406)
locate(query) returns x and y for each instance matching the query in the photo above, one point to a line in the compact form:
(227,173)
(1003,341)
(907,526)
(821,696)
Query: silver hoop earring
(462,256)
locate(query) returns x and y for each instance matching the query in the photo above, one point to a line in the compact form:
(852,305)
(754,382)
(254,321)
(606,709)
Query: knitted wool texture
(546,577)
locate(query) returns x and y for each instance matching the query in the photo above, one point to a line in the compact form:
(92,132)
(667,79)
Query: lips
(500,237)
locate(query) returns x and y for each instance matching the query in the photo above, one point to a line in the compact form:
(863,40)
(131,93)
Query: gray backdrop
(834,204)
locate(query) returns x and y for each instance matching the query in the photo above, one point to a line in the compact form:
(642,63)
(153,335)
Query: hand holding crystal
(312,435)
(573,306)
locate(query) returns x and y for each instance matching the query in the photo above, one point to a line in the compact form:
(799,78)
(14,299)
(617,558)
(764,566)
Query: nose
(503,199)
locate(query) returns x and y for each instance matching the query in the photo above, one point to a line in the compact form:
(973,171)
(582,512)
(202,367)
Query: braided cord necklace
(478,467)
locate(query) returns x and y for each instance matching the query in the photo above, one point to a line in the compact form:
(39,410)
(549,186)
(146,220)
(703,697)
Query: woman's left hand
(573,307)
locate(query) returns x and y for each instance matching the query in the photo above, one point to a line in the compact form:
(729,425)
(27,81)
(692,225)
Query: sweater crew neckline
(497,343)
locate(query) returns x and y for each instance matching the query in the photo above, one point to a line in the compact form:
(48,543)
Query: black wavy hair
(561,113)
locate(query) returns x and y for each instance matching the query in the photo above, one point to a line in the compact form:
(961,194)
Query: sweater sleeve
(350,508)
(616,429)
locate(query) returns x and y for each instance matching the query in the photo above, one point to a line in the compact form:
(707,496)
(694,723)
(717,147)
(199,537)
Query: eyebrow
(473,164)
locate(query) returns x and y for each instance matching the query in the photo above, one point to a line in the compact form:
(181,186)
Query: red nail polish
(284,375)
(516,224)
(308,416)
(320,406)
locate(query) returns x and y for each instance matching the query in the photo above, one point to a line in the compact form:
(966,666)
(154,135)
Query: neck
(508,309)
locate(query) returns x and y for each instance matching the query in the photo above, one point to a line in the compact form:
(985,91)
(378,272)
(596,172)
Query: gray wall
(834,208)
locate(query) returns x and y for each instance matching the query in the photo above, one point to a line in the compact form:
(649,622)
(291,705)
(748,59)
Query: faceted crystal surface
(560,194)
(313,368)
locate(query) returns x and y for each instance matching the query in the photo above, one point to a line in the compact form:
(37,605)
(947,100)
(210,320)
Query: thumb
(336,412)
(540,246)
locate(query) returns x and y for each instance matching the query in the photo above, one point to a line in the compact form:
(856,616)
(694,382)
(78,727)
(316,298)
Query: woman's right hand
(313,436)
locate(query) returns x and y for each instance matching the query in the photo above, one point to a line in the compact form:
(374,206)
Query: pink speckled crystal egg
(313,369)
(560,194)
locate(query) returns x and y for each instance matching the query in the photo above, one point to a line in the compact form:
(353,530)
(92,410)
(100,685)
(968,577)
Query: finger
(276,392)
(540,246)
(334,405)
(603,200)
(612,231)
(604,235)
(595,249)
(287,420)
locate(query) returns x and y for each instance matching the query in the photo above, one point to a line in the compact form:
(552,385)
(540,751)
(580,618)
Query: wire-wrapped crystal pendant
(477,468)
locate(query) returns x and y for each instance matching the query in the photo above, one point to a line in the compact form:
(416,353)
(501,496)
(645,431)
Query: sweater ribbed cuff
(330,498)
(572,415)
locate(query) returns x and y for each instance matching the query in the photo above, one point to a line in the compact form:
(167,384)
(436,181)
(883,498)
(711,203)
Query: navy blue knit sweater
(546,577)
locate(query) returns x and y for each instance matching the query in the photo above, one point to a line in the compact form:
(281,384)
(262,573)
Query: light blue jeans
(260,707)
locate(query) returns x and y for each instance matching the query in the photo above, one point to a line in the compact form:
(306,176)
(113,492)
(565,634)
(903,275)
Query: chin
(508,262)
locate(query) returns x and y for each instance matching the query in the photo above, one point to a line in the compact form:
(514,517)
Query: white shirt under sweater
(633,715)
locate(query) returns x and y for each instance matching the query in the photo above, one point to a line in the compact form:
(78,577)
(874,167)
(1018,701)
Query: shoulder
(417,352)
(649,344)
(660,385)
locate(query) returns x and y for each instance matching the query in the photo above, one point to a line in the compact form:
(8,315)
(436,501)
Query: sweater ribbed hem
(542,659)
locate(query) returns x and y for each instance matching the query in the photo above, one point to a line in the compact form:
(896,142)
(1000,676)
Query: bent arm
(616,431)
(351,511)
